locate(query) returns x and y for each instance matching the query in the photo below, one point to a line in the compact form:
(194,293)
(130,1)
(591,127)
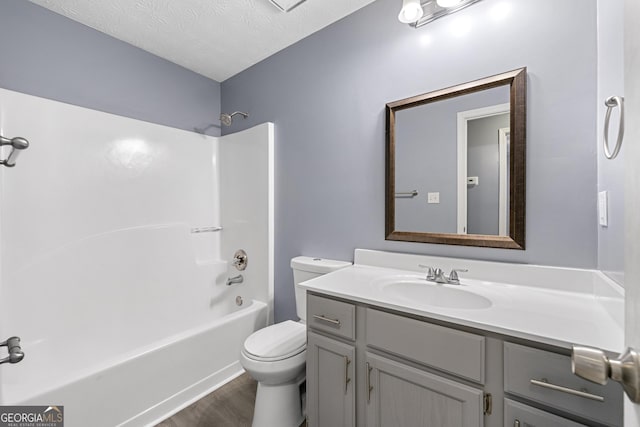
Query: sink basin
(433,294)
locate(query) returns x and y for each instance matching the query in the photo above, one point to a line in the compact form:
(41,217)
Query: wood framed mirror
(455,164)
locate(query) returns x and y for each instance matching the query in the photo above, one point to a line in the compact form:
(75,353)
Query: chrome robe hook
(15,352)
(17,145)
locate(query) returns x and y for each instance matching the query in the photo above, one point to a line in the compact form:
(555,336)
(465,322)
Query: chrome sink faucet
(436,275)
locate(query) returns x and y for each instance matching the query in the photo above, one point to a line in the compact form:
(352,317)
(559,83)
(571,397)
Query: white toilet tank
(307,268)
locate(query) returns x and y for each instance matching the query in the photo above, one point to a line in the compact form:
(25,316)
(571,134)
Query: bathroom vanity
(381,352)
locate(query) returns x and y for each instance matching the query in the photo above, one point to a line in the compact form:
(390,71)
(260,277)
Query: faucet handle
(453,276)
(240,260)
(430,272)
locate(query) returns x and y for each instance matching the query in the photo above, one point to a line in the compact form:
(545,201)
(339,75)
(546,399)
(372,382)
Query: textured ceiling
(216,38)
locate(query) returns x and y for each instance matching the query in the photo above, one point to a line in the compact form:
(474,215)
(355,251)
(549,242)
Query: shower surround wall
(100,272)
(326,95)
(247,198)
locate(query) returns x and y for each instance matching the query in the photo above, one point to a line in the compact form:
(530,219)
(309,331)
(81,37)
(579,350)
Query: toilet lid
(277,342)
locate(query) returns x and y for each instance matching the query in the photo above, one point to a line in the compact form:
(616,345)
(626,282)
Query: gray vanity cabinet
(390,391)
(330,382)
(413,372)
(331,363)
(402,396)
(545,378)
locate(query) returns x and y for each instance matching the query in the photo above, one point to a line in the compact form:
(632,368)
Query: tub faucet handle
(240,260)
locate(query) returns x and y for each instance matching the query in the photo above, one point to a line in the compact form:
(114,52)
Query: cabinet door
(330,382)
(403,396)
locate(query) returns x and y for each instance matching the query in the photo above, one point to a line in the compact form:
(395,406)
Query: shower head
(227,119)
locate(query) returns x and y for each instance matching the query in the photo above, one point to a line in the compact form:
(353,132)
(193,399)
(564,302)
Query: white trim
(631,154)
(463,118)
(271,219)
(503,185)
(462,174)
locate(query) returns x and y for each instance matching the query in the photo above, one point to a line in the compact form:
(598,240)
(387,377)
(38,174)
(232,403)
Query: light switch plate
(603,208)
(433,197)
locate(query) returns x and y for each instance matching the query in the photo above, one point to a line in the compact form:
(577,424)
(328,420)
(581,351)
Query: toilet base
(278,405)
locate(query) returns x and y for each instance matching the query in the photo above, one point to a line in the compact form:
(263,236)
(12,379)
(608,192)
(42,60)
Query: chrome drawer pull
(346,373)
(369,386)
(516,423)
(546,384)
(326,319)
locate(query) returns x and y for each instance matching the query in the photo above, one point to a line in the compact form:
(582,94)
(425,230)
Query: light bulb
(449,3)
(411,11)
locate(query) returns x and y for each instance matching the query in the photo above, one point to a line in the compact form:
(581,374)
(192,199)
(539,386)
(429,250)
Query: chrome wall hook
(15,352)
(17,145)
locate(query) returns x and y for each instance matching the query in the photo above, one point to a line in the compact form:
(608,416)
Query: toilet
(275,356)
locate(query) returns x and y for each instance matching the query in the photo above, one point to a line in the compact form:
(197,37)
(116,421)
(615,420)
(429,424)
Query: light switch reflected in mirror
(455,166)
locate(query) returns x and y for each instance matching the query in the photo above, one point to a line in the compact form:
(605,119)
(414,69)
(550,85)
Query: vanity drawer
(534,374)
(335,317)
(459,353)
(519,415)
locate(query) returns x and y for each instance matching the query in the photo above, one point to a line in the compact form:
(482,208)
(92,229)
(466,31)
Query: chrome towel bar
(409,194)
(205,229)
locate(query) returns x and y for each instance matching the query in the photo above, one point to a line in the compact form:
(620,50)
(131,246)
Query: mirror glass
(450,157)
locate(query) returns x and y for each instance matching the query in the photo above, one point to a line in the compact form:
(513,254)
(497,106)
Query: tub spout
(234,280)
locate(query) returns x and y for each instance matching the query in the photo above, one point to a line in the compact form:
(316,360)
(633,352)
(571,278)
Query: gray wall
(611,172)
(326,95)
(426,160)
(48,55)
(483,161)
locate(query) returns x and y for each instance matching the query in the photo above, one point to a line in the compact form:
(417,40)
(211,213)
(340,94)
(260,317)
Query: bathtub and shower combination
(116,242)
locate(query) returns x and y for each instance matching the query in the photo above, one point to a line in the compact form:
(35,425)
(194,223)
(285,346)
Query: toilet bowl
(275,356)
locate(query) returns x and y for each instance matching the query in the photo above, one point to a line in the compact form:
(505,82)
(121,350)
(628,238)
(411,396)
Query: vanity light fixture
(411,11)
(420,12)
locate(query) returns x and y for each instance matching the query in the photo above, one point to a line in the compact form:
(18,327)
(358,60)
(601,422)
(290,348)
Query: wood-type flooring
(229,406)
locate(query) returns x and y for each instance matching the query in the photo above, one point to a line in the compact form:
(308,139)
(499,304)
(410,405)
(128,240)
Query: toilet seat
(276,342)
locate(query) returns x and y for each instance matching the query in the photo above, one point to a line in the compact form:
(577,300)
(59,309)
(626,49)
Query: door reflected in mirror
(455,164)
(483,196)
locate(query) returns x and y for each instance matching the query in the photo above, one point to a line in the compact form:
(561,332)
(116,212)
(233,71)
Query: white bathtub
(123,310)
(146,386)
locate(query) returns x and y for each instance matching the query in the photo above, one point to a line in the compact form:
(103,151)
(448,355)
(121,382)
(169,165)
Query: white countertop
(545,314)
